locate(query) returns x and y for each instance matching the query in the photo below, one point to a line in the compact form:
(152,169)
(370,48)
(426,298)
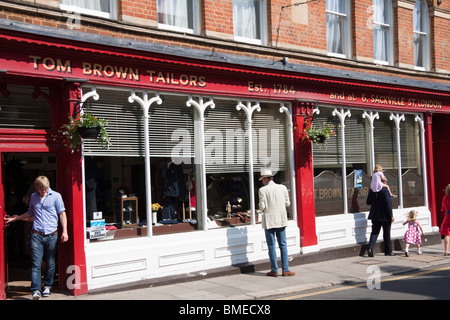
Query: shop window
(227,159)
(329,189)
(227,167)
(179,15)
(328,165)
(115,178)
(21,108)
(249,21)
(328,168)
(382,32)
(421,35)
(385,148)
(101,8)
(411,161)
(338,28)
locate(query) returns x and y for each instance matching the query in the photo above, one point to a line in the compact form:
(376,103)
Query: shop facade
(192,135)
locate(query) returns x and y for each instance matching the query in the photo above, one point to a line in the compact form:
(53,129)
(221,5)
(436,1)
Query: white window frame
(422,6)
(389,26)
(196,19)
(262,23)
(346,41)
(107,15)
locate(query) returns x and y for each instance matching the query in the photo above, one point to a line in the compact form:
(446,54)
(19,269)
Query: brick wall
(301,26)
(440,29)
(362,39)
(403,35)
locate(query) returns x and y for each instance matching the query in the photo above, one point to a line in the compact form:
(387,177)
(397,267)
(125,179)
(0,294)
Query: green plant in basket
(85,126)
(318,134)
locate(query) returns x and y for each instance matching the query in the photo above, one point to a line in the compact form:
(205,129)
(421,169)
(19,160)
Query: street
(429,284)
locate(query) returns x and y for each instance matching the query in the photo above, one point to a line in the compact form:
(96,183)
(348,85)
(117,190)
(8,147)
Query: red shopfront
(54,70)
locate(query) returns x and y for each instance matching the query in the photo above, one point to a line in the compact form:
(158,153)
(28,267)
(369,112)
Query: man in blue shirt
(44,208)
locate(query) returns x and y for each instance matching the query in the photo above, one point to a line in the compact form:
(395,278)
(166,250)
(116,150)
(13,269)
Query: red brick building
(223,89)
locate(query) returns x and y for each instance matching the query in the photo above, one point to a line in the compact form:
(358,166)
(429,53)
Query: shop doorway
(18,173)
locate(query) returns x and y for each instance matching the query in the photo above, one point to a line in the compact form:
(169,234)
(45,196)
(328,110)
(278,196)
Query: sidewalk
(256,285)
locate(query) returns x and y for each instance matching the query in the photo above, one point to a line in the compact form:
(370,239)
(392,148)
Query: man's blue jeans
(280,234)
(42,247)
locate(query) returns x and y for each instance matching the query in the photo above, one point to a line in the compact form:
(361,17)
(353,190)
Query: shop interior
(115,186)
(19,171)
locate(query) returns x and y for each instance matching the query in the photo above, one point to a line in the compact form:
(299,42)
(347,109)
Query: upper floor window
(338,28)
(382,32)
(421,38)
(178,15)
(100,8)
(249,21)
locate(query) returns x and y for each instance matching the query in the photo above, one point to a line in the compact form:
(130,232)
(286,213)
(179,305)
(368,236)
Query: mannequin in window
(91,177)
(215,198)
(173,189)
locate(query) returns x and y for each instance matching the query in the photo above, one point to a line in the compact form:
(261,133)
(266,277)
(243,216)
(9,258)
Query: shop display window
(117,175)
(328,161)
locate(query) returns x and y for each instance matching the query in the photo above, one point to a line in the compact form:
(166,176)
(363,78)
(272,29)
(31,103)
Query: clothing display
(174,189)
(92,175)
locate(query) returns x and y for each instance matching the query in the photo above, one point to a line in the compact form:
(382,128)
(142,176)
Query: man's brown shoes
(285,274)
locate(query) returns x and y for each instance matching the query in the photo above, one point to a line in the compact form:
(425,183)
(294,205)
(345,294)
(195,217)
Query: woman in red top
(445,227)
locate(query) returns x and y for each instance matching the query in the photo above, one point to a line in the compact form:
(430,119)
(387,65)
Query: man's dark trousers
(376,227)
(381,216)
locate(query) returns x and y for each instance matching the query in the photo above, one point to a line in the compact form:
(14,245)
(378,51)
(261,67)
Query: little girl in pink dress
(412,235)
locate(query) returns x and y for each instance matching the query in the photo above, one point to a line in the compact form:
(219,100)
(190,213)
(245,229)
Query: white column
(145,103)
(93,93)
(397,118)
(342,114)
(249,109)
(288,112)
(371,117)
(201,107)
(419,119)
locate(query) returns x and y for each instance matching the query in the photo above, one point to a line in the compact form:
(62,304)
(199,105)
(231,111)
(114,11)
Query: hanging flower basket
(88,133)
(321,138)
(85,126)
(318,134)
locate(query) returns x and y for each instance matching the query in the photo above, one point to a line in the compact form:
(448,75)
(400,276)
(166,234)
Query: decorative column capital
(304,108)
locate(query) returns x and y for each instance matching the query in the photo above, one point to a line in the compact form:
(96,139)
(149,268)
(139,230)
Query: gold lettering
(160,78)
(49,64)
(87,68)
(134,74)
(66,67)
(151,73)
(121,73)
(201,81)
(193,81)
(108,71)
(173,80)
(184,80)
(98,70)
(35,61)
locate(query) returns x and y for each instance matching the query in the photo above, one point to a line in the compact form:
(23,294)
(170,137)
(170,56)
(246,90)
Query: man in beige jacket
(273,200)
